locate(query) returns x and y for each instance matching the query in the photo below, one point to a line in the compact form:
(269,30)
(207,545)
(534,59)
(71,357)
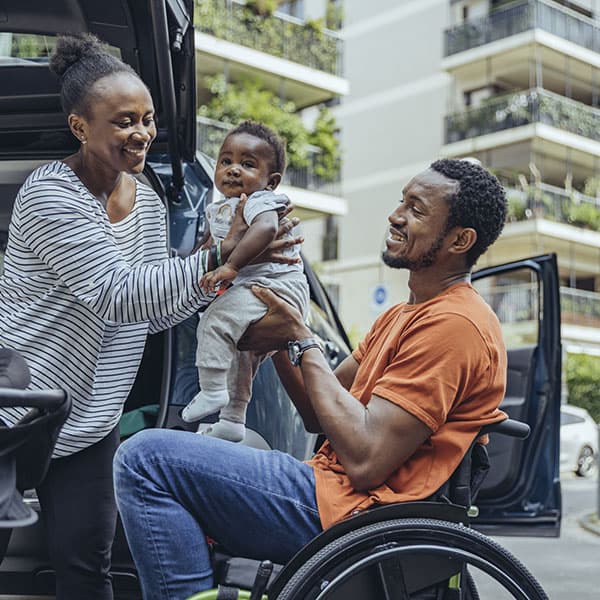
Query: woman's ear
(78,127)
(274,181)
(464,240)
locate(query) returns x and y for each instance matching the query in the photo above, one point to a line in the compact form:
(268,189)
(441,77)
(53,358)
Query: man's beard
(416,264)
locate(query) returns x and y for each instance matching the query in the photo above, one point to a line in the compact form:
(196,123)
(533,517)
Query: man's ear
(274,181)
(464,240)
(78,127)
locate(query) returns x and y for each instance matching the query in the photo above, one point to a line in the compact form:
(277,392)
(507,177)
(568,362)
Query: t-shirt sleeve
(58,228)
(263,202)
(440,358)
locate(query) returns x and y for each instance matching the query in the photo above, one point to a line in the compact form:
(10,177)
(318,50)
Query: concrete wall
(391,127)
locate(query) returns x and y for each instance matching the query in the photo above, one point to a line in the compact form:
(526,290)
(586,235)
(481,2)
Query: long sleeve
(79,248)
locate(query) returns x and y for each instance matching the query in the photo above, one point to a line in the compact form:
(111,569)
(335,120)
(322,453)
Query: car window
(568,419)
(22,47)
(516,298)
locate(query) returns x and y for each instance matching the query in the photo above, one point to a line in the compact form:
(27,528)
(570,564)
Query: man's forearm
(292,381)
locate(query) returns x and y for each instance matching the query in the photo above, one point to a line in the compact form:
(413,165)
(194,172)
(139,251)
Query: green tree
(325,137)
(583,382)
(246,99)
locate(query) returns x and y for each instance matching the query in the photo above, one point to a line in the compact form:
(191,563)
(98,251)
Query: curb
(591,523)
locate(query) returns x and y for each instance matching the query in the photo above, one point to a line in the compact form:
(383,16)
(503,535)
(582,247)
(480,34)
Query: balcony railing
(555,204)
(522,108)
(579,307)
(279,35)
(210,134)
(519,304)
(523,16)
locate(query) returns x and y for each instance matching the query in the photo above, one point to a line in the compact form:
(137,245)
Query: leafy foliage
(246,99)
(583,382)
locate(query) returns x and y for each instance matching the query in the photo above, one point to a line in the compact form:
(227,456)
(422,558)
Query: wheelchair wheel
(406,559)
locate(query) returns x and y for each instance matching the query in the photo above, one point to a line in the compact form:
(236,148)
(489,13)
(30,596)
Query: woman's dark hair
(266,134)
(479,202)
(79,61)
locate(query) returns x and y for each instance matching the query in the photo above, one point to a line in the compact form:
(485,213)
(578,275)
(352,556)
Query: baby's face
(243,165)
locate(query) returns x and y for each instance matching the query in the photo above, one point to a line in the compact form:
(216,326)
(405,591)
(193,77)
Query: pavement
(590,522)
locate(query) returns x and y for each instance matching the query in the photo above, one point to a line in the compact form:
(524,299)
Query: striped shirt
(79,295)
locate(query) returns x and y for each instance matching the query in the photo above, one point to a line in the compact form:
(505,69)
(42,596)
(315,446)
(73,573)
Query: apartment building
(294,56)
(514,84)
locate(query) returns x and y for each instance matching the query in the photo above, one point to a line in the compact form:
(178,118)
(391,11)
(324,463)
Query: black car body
(522,495)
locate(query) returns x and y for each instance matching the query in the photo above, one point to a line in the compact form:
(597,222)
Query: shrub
(583,382)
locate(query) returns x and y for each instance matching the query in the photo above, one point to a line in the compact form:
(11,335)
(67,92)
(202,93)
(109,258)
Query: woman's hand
(275,250)
(281,323)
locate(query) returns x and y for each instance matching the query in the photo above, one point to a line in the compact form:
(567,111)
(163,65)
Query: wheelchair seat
(407,550)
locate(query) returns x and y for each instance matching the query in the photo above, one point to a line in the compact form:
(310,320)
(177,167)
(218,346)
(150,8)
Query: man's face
(418,226)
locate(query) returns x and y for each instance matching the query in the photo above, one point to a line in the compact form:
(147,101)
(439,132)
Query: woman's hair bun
(70,49)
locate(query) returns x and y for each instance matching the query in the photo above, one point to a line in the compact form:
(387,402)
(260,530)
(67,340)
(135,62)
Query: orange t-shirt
(443,361)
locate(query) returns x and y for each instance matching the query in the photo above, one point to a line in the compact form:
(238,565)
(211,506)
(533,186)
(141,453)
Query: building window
(330,239)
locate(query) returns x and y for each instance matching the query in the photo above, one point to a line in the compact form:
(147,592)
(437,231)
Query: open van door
(521,495)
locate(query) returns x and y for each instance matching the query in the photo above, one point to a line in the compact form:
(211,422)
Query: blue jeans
(174,488)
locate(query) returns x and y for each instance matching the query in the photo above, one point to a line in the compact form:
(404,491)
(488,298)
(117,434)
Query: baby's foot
(225,430)
(205,403)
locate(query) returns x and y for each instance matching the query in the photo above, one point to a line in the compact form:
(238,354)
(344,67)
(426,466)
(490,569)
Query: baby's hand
(211,281)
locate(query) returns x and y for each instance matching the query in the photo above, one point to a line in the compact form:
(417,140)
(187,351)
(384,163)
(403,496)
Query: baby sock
(225,430)
(204,403)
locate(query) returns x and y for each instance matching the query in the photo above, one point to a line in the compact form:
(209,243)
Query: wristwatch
(297,348)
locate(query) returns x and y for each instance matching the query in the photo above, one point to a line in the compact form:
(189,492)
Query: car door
(521,495)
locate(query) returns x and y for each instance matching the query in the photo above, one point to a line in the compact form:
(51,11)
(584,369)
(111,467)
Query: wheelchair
(26,448)
(405,551)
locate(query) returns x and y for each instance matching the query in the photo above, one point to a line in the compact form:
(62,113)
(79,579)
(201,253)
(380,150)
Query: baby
(251,161)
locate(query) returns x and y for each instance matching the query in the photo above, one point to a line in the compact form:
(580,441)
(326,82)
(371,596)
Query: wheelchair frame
(406,551)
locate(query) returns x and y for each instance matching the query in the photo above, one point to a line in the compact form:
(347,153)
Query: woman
(87,277)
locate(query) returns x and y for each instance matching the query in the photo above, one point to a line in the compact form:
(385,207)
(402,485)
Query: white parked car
(578,441)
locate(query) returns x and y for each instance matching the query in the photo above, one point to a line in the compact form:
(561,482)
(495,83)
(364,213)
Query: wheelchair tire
(332,567)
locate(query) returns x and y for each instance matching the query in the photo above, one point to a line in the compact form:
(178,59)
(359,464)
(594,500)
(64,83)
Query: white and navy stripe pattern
(79,296)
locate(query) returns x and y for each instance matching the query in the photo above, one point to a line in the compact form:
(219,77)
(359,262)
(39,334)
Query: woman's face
(120,125)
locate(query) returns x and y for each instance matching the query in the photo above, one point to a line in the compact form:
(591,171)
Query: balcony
(523,108)
(519,304)
(519,17)
(278,35)
(314,196)
(555,204)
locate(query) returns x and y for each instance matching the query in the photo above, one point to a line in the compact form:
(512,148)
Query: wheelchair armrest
(508,427)
(44,399)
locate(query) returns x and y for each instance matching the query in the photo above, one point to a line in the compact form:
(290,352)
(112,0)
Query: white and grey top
(219,214)
(79,295)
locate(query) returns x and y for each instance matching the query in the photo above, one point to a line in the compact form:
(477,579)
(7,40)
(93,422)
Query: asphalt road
(568,567)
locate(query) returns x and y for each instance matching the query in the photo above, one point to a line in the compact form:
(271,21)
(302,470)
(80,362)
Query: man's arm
(371,442)
(293,382)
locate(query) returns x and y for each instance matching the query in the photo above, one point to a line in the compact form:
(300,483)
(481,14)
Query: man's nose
(397,217)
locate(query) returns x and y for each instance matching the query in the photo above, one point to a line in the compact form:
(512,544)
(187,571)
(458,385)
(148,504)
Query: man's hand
(281,324)
(212,280)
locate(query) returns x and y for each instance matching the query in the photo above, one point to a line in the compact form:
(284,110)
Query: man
(398,414)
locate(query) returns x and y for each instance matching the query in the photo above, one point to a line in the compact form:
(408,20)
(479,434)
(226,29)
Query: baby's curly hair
(479,202)
(266,134)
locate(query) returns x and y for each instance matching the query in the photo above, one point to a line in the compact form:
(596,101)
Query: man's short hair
(479,202)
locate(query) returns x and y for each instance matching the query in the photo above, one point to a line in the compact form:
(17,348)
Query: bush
(583,382)
(246,99)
